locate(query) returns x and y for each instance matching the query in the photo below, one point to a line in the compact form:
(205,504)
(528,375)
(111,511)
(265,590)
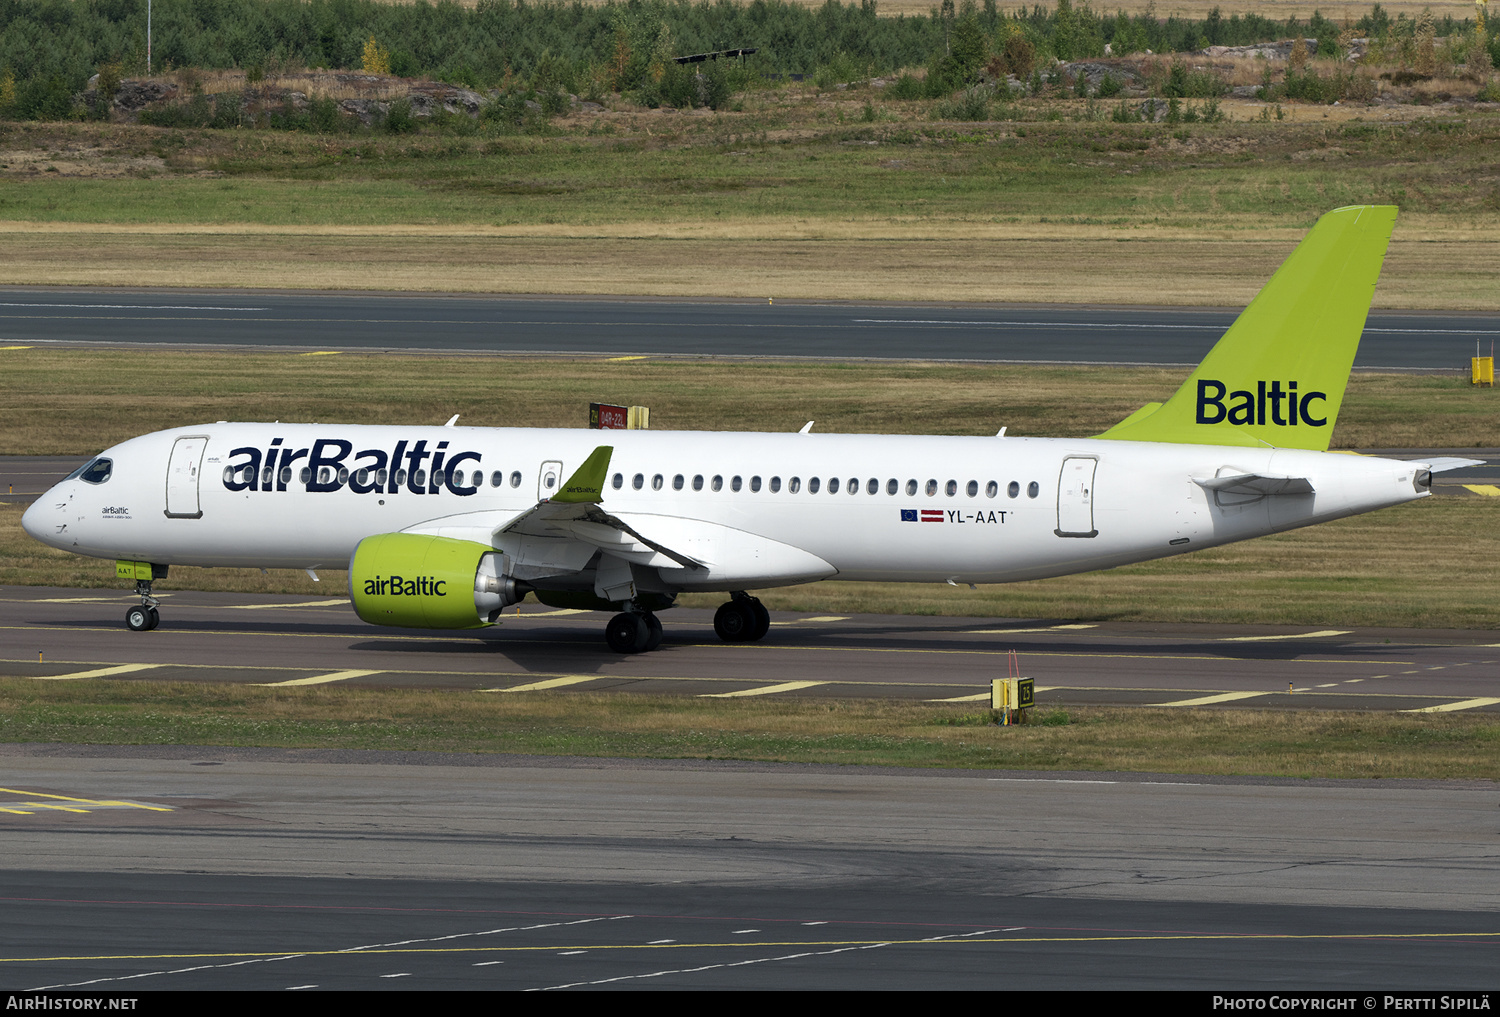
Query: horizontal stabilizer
(1443,464)
(1255,484)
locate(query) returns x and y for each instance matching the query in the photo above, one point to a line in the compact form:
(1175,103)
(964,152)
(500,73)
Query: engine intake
(419,581)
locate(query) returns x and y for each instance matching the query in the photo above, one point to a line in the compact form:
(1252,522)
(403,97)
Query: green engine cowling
(419,581)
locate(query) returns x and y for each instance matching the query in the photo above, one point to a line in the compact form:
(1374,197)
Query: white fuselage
(978,510)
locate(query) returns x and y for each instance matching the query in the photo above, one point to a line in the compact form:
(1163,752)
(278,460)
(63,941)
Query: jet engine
(421,581)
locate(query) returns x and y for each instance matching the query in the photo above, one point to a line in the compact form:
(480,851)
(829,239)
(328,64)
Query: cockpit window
(95,471)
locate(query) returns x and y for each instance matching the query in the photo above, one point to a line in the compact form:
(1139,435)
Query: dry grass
(863,732)
(978,263)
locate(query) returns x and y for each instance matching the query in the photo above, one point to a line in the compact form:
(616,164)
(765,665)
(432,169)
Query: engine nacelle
(420,581)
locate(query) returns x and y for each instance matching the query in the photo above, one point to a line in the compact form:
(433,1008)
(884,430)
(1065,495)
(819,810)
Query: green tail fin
(1277,377)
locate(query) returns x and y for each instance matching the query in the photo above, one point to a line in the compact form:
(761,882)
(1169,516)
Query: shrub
(972,103)
(1109,87)
(905,87)
(399,118)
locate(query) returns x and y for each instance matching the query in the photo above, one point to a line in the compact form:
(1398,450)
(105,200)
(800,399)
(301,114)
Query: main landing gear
(633,632)
(146,617)
(742,620)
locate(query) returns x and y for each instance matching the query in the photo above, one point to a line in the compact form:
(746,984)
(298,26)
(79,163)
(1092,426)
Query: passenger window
(267,473)
(618,481)
(1033,489)
(718,482)
(991,489)
(853,486)
(1014,490)
(754,483)
(872,486)
(812,486)
(794,485)
(697,482)
(229,472)
(515,478)
(892,486)
(400,476)
(911,488)
(419,478)
(344,475)
(380,476)
(972,489)
(304,476)
(677,482)
(931,488)
(833,485)
(775,484)
(734,485)
(497,478)
(638,481)
(362,477)
(656,482)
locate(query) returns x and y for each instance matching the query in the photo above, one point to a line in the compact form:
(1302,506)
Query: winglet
(587,482)
(1277,377)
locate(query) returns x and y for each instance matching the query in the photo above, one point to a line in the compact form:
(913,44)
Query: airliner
(445,526)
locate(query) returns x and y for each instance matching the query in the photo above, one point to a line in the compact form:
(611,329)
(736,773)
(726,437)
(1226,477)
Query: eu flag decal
(908,515)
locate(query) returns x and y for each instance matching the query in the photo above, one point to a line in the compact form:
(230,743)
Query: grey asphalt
(269,639)
(211,868)
(1404,340)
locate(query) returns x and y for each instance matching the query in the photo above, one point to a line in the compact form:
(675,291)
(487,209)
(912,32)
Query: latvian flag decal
(924,515)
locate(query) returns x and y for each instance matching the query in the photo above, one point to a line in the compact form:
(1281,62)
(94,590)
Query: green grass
(849,732)
(75,402)
(800,158)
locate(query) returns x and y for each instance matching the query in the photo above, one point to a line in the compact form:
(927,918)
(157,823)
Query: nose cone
(41,520)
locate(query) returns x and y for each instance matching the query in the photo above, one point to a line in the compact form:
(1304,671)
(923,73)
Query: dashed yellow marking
(556,614)
(764,690)
(1466,704)
(102,672)
(300,603)
(321,679)
(1294,635)
(550,683)
(1225,697)
(83,600)
(963,699)
(320,353)
(15,347)
(1488,490)
(616,360)
(819,618)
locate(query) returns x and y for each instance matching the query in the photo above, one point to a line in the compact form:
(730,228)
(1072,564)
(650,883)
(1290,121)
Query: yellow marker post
(1482,371)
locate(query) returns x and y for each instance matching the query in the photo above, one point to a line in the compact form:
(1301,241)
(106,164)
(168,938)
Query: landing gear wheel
(627,633)
(141,619)
(155,618)
(762,621)
(653,632)
(735,621)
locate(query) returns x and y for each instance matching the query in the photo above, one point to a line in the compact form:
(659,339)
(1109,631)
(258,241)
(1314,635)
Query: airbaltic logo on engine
(400,586)
(328,466)
(1245,407)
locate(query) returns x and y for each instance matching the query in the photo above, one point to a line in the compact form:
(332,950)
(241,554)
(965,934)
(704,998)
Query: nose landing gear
(146,617)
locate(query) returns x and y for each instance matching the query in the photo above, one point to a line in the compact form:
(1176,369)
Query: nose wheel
(145,617)
(142,618)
